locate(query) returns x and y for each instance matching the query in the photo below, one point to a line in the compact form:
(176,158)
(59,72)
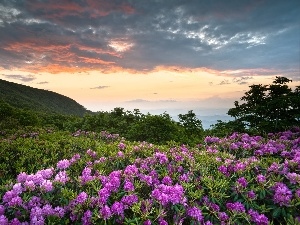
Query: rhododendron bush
(240,179)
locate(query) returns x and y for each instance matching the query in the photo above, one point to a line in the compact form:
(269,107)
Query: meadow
(58,177)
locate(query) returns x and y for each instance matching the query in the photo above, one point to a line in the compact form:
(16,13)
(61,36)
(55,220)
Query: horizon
(158,56)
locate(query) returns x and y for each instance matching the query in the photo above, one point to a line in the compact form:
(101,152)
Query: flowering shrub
(234,180)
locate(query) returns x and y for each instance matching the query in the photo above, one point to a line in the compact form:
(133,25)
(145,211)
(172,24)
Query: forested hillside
(25,97)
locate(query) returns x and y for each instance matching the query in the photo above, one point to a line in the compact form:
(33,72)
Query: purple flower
(128,186)
(223,169)
(169,194)
(208,223)
(293,177)
(82,197)
(129,200)
(233,146)
(167,180)
(239,167)
(161,221)
(282,195)
(184,177)
(87,217)
(46,173)
(17,188)
(22,177)
(147,179)
(259,219)
(91,153)
(29,185)
(147,222)
(104,194)
(46,186)
(63,164)
(9,195)
(2,210)
(105,212)
(15,201)
(120,154)
(210,140)
(36,178)
(75,158)
(195,213)
(117,208)
(261,178)
(48,210)
(86,175)
(59,211)
(251,194)
(161,157)
(213,206)
(3,220)
(114,181)
(237,207)
(223,216)
(131,170)
(34,202)
(15,221)
(36,216)
(242,182)
(121,146)
(61,177)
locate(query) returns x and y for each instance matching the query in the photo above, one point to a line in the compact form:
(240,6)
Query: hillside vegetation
(25,97)
(123,167)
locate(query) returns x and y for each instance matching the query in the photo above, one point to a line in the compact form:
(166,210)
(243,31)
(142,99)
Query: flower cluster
(159,185)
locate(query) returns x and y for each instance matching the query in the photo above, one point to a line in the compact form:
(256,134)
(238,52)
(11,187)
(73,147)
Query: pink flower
(63,164)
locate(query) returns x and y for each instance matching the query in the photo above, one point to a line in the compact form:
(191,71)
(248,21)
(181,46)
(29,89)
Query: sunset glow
(168,55)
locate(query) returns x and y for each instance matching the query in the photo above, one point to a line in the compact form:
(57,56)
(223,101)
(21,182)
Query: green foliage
(186,176)
(154,129)
(193,130)
(37,149)
(268,108)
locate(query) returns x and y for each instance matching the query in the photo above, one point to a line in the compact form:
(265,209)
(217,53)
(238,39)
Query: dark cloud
(20,77)
(242,83)
(242,80)
(141,35)
(100,87)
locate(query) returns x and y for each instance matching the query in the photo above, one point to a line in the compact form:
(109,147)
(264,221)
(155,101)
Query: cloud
(20,77)
(43,82)
(241,80)
(140,36)
(137,101)
(100,87)
(224,82)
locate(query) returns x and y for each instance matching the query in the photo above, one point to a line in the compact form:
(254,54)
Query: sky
(153,55)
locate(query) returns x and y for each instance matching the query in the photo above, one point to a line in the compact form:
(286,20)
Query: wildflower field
(52,177)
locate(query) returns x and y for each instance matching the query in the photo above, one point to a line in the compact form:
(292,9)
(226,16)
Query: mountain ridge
(26,97)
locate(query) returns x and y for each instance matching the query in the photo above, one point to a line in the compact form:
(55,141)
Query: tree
(268,108)
(155,129)
(192,126)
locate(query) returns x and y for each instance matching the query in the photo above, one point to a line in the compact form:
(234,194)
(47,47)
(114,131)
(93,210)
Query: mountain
(25,97)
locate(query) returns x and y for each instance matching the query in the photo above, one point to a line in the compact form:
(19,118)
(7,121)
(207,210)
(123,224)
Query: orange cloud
(94,61)
(97,50)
